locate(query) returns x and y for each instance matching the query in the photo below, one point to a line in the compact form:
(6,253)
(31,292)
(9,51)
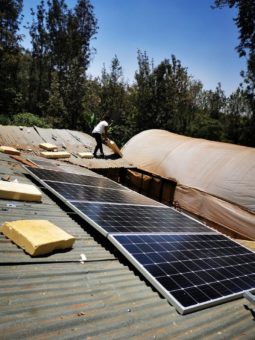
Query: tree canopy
(49,85)
(246,27)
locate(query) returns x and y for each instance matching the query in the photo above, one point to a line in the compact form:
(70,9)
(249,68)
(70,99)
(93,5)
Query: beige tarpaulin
(215,180)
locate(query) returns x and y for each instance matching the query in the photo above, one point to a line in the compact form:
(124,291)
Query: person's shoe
(95,155)
(102,155)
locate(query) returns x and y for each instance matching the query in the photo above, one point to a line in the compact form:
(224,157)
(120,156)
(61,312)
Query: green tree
(112,90)
(61,45)
(114,100)
(73,93)
(10,18)
(209,114)
(166,95)
(91,104)
(246,27)
(144,93)
(23,76)
(55,107)
(204,126)
(233,120)
(29,119)
(70,32)
(215,102)
(40,66)
(174,91)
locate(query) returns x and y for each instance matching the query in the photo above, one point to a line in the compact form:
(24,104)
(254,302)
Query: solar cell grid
(50,165)
(193,270)
(130,218)
(41,162)
(73,192)
(67,177)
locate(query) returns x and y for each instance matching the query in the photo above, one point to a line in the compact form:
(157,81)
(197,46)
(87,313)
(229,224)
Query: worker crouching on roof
(101,129)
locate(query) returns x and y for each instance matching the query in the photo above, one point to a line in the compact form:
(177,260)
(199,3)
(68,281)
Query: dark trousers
(99,145)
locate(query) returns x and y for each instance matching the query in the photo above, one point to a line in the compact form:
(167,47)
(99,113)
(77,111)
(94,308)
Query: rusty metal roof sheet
(14,135)
(57,136)
(27,139)
(105,298)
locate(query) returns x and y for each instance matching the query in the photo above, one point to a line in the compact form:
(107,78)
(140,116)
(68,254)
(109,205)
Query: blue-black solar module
(50,165)
(192,271)
(189,264)
(73,192)
(134,218)
(67,177)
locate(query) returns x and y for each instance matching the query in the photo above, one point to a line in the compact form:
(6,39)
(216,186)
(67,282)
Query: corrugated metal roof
(27,139)
(105,298)
(14,136)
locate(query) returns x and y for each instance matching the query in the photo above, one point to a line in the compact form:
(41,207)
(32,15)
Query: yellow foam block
(37,237)
(111,144)
(85,154)
(57,154)
(9,150)
(48,146)
(19,191)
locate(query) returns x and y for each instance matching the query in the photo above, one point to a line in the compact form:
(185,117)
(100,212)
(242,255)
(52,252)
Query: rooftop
(58,296)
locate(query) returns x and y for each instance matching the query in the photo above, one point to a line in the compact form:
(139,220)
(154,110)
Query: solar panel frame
(78,193)
(123,218)
(160,288)
(51,175)
(70,205)
(47,165)
(199,294)
(128,193)
(98,227)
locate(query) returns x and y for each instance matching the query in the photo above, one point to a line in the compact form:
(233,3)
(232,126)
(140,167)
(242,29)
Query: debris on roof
(9,150)
(19,191)
(48,146)
(55,154)
(85,154)
(37,237)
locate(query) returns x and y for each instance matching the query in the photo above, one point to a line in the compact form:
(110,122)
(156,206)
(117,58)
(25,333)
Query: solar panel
(191,265)
(46,164)
(191,271)
(67,177)
(73,192)
(115,218)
